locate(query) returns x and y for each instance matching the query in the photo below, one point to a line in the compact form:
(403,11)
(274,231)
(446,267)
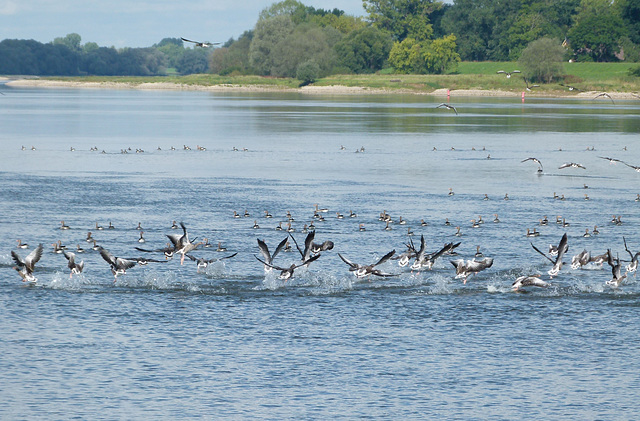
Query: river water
(169,341)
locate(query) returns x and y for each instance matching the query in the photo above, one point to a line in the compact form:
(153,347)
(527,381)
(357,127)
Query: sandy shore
(312,90)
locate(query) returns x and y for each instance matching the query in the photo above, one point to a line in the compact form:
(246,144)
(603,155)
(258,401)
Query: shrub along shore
(471,79)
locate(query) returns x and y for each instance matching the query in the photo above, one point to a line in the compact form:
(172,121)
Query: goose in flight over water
(449,107)
(361,271)
(526,281)
(119,266)
(611,160)
(508,74)
(572,165)
(25,266)
(201,44)
(75,267)
(557,264)
(268,257)
(287,273)
(203,263)
(633,265)
(606,95)
(464,269)
(537,161)
(617,276)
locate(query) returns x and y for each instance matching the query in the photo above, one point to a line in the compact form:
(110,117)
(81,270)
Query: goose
(201,44)
(268,257)
(600,259)
(206,243)
(533,233)
(525,281)
(174,226)
(267,214)
(478,254)
(255,225)
(586,233)
(409,231)
(79,249)
(508,74)
(290,228)
(495,218)
(289,217)
(26,266)
(182,244)
(633,265)
(246,213)
(475,224)
(95,245)
(141,239)
(580,259)
(557,264)
(636,168)
(220,248)
(571,88)
(352,214)
(119,266)
(318,209)
(202,263)
(537,161)
(99,227)
(361,228)
(595,230)
(605,95)
(423,223)
(544,221)
(529,88)
(287,273)
(506,196)
(458,232)
(464,269)
(58,247)
(75,267)
(451,193)
(111,227)
(22,245)
(139,227)
(430,260)
(89,237)
(339,215)
(168,251)
(236,215)
(617,276)
(449,107)
(279,226)
(612,161)
(64,226)
(571,165)
(361,271)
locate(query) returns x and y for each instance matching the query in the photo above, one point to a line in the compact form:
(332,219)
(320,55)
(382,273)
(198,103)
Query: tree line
(66,56)
(291,39)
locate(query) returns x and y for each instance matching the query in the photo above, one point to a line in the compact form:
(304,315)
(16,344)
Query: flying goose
(268,257)
(633,265)
(449,107)
(572,165)
(25,266)
(287,273)
(508,74)
(537,161)
(525,281)
(464,269)
(204,44)
(617,278)
(361,271)
(202,263)
(118,265)
(557,264)
(75,267)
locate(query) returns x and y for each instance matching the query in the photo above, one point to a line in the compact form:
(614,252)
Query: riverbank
(461,85)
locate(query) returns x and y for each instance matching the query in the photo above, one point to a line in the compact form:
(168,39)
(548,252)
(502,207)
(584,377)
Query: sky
(140,23)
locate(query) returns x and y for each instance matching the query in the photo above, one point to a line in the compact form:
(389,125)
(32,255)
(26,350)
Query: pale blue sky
(142,23)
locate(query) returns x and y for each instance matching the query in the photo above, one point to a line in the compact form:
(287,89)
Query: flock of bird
(416,257)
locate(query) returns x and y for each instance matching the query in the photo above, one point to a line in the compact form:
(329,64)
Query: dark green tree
(541,61)
(193,60)
(364,50)
(267,34)
(403,18)
(597,32)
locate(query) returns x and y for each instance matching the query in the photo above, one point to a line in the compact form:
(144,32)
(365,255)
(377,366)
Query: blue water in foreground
(166,341)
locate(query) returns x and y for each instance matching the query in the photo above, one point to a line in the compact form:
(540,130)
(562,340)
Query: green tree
(308,72)
(437,56)
(71,41)
(629,11)
(364,50)
(541,61)
(305,43)
(597,32)
(403,18)
(282,8)
(173,49)
(267,34)
(234,57)
(193,60)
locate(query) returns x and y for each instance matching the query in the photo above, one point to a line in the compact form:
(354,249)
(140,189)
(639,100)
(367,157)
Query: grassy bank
(610,77)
